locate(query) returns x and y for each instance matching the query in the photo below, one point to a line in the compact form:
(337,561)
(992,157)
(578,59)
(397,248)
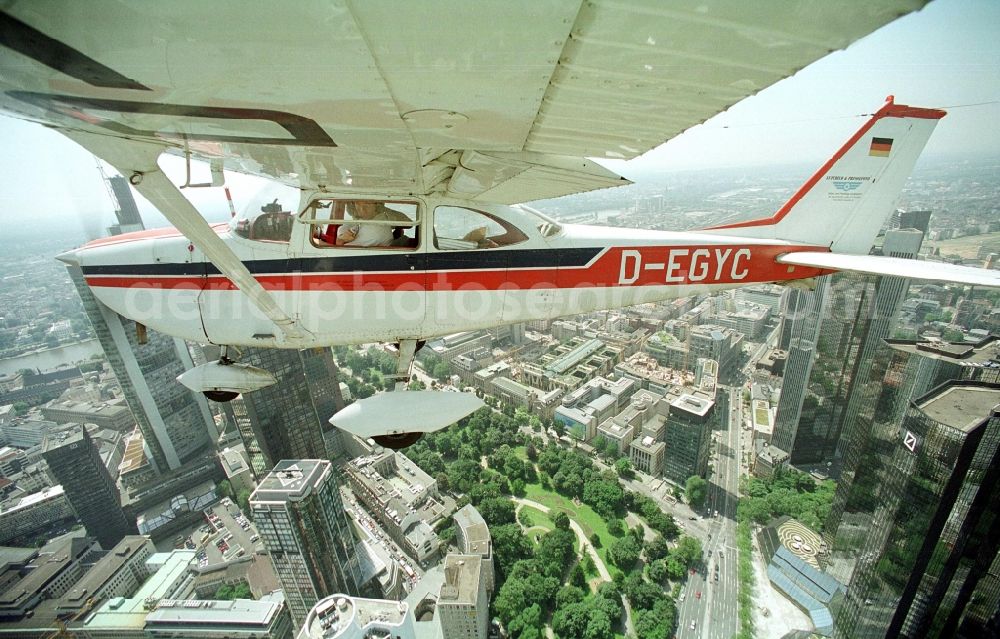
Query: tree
(510,546)
(696,489)
(243,501)
(656,549)
(624,552)
(657,571)
(570,622)
(561,520)
(225,489)
(497,511)
(443,483)
(688,551)
(624,468)
(526,621)
(616,528)
(569,595)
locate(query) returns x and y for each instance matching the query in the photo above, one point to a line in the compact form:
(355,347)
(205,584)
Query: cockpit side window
(272,224)
(347,224)
(457,228)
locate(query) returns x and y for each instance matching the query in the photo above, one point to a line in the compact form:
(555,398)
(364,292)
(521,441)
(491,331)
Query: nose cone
(69,257)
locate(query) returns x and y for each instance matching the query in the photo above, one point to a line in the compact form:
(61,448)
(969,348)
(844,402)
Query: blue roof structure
(811,590)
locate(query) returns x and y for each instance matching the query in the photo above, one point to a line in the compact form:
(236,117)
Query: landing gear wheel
(220,395)
(398,441)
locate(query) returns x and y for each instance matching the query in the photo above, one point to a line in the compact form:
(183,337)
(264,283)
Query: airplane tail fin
(844,204)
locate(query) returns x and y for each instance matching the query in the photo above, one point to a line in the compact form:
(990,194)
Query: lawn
(538,518)
(583,514)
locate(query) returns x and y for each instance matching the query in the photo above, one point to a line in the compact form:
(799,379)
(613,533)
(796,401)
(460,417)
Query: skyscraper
(76,464)
(290,419)
(859,313)
(901,371)
(303,524)
(176,424)
(126,211)
(687,436)
(799,334)
(922,529)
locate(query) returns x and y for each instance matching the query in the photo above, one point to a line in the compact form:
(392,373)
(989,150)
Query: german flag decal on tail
(880,147)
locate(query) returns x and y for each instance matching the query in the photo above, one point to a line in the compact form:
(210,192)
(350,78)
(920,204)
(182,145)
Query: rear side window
(458,228)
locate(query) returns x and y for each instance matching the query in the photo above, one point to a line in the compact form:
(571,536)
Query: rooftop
(461,579)
(241,612)
(961,406)
(291,480)
(693,405)
(105,569)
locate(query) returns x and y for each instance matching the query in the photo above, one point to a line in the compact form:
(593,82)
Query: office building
(290,419)
(859,313)
(77,465)
(902,370)
(117,574)
(175,422)
(472,536)
(302,521)
(463,604)
(687,437)
(126,212)
(920,526)
(34,515)
(798,335)
(47,574)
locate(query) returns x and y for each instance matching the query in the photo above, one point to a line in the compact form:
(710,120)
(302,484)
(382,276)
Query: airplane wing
(500,101)
(895,267)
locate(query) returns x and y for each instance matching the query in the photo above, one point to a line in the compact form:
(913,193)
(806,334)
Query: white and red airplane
(411,130)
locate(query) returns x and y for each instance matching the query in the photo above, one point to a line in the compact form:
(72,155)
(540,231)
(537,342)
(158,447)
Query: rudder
(844,204)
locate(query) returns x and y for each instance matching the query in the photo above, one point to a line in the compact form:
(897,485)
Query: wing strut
(138,161)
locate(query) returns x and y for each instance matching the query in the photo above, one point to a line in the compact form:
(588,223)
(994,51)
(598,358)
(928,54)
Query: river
(52,358)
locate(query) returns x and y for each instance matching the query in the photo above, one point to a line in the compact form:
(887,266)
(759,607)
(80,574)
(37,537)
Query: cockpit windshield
(272,224)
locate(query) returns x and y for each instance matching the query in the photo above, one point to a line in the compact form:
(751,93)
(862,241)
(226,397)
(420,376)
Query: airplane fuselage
(345,295)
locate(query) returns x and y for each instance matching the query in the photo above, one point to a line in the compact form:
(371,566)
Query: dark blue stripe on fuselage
(390,261)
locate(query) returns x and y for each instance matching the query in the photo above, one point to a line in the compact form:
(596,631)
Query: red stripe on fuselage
(150,234)
(616,267)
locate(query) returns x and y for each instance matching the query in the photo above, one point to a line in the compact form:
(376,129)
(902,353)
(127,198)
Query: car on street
(693,624)
(697,595)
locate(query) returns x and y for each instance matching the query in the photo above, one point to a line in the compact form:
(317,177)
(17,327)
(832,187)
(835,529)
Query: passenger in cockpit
(369,234)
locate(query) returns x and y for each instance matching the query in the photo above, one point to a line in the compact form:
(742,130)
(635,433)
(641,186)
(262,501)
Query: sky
(946,56)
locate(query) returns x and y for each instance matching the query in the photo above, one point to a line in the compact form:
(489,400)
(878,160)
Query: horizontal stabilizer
(405,412)
(895,266)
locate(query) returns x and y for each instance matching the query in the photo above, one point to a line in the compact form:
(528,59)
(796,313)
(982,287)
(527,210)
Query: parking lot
(226,535)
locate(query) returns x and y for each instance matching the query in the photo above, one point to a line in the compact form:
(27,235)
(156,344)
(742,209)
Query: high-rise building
(76,464)
(859,312)
(302,521)
(902,371)
(687,436)
(290,419)
(126,211)
(798,334)
(175,422)
(919,220)
(921,529)
(463,605)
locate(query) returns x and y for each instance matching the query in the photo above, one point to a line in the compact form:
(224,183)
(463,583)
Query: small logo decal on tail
(880,147)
